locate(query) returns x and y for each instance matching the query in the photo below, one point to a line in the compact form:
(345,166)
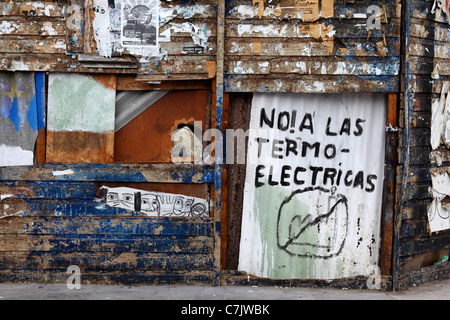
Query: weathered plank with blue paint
(123,249)
(332,49)
(169,173)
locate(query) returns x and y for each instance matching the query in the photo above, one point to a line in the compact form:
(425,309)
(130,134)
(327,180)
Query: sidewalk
(438,290)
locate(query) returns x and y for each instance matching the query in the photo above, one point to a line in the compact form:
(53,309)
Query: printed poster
(140,23)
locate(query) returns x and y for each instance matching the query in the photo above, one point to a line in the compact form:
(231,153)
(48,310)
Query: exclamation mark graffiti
(293,117)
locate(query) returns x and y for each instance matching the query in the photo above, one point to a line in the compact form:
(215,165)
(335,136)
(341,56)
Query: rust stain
(79,147)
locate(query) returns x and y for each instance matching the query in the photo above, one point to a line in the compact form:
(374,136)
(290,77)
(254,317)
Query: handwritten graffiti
(154,203)
(313,185)
(330,226)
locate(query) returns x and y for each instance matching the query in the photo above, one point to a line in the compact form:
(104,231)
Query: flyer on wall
(140,23)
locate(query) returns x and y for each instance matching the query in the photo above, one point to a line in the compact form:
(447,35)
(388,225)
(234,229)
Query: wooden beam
(169,173)
(387,219)
(219,126)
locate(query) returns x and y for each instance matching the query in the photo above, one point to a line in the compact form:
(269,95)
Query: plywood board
(81,115)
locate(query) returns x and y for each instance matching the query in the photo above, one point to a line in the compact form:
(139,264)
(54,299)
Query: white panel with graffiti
(313,189)
(155,204)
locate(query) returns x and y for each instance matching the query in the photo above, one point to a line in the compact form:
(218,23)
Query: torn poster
(440,118)
(155,204)
(439,209)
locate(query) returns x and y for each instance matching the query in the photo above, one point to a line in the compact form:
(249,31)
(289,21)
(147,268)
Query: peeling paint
(7,27)
(63,172)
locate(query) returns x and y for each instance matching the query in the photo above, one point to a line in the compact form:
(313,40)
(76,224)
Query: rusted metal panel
(185,107)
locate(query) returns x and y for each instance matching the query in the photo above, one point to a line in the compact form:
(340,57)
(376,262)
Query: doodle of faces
(182,206)
(149,204)
(120,199)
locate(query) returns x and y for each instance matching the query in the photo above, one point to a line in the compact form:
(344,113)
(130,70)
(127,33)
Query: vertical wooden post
(219,127)
(387,222)
(405,133)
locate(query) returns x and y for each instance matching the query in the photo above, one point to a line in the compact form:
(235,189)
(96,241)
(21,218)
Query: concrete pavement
(438,290)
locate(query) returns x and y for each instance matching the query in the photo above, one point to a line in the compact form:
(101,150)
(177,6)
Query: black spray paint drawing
(157,204)
(296,229)
(140,23)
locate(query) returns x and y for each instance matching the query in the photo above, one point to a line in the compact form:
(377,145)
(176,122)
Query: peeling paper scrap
(440,117)
(439,211)
(63,172)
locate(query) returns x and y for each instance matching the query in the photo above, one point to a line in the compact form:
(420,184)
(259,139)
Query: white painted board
(313,188)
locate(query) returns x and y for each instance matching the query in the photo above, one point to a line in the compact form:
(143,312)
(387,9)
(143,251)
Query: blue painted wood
(111,172)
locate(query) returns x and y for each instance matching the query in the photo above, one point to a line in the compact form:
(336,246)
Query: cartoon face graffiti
(155,204)
(120,199)
(182,205)
(149,204)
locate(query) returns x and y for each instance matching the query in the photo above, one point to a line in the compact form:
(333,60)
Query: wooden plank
(270,28)
(111,172)
(31,8)
(422,244)
(129,82)
(243,9)
(16,27)
(47,190)
(278,47)
(30,45)
(106,244)
(240,278)
(388,212)
(99,261)
(312,66)
(75,26)
(424,275)
(106,226)
(311,84)
(135,278)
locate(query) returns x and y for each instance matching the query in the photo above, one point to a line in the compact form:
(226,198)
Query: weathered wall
(423,153)
(312,46)
(270,46)
(53,217)
(84,36)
